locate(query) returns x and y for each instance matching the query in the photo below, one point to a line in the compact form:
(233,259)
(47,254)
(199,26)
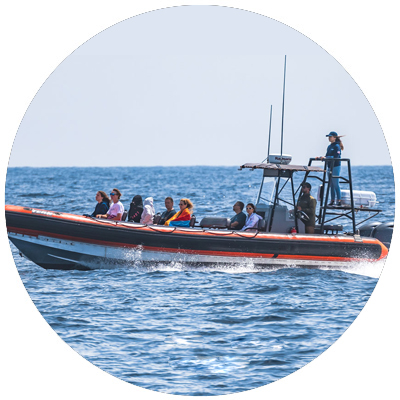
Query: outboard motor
(366,229)
(383,232)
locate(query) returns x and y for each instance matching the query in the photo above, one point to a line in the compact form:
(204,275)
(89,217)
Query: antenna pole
(283,107)
(269,136)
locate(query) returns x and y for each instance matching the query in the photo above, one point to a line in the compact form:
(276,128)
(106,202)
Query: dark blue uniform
(334,151)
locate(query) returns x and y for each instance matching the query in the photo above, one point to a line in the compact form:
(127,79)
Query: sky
(195,86)
(40,34)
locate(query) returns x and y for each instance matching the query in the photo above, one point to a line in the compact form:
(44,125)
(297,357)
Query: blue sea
(183,330)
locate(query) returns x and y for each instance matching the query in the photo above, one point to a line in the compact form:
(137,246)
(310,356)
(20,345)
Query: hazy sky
(194,86)
(363,39)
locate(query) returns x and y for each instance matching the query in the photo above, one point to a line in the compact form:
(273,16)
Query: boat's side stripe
(34,233)
(181,231)
(87,230)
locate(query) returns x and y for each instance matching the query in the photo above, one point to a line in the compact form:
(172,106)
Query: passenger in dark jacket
(169,212)
(136,209)
(102,206)
(238,221)
(307,204)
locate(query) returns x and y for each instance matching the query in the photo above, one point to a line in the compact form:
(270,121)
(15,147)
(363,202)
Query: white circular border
(39,35)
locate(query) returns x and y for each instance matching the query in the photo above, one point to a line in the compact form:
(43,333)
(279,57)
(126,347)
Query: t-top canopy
(282,167)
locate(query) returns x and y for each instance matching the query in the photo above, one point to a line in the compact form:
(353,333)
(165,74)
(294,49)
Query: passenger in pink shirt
(117,208)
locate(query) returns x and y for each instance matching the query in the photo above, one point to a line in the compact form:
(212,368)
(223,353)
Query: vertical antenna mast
(283,107)
(269,137)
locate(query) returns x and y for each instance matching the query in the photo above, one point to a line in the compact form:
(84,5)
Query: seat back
(156,219)
(334,229)
(262,225)
(123,218)
(215,222)
(192,221)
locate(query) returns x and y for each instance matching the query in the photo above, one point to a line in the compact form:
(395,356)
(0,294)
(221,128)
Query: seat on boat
(215,223)
(328,228)
(124,215)
(192,221)
(262,225)
(156,219)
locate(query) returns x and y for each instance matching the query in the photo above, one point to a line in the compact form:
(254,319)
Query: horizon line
(162,166)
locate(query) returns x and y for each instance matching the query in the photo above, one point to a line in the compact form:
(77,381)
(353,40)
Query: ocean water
(182,330)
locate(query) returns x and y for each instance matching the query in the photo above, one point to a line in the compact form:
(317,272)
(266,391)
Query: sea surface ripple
(183,330)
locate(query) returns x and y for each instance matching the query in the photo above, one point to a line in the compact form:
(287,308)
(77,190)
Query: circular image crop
(193,202)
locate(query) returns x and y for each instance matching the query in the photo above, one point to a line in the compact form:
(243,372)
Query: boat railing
(328,213)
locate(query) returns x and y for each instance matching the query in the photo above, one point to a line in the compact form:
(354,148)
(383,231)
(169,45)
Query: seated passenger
(116,210)
(182,217)
(102,206)
(169,212)
(148,212)
(136,209)
(252,218)
(238,221)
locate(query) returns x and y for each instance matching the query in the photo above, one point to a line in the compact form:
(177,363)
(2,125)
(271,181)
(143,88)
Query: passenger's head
(137,200)
(334,137)
(238,207)
(102,197)
(115,195)
(148,201)
(185,203)
(250,208)
(305,187)
(169,203)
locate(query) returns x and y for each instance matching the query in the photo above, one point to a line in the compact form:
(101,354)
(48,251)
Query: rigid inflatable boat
(58,240)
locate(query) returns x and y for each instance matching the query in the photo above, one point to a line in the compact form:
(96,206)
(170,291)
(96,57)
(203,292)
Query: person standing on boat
(238,221)
(307,204)
(135,209)
(102,206)
(252,218)
(148,212)
(169,212)
(182,217)
(117,209)
(334,150)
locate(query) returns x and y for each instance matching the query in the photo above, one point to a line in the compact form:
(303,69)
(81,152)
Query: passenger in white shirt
(117,208)
(252,218)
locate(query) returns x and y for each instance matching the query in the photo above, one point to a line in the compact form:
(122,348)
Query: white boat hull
(68,254)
